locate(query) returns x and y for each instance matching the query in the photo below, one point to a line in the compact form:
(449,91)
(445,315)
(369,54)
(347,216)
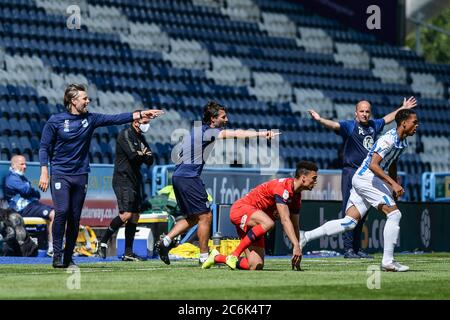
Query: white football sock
(203,257)
(167,241)
(331,228)
(390,234)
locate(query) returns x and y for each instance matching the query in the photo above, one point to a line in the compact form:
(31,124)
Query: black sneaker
(350,254)
(69,263)
(364,255)
(57,262)
(132,257)
(163,251)
(102,250)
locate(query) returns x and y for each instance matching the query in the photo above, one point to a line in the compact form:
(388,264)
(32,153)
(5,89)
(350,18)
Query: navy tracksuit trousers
(68,194)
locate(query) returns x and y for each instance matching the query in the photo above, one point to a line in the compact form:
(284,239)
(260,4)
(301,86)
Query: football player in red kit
(255,214)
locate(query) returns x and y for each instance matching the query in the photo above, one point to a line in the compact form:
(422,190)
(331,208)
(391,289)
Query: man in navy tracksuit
(189,188)
(358,136)
(65,143)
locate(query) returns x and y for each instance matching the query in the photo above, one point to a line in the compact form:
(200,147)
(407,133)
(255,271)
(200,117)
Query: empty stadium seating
(267,62)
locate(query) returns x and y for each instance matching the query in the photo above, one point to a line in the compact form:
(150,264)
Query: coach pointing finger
(65,144)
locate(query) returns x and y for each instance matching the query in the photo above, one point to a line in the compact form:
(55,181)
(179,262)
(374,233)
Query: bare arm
(407,104)
(330,124)
(147,114)
(288,227)
(242,134)
(393,174)
(376,169)
(292,234)
(295,218)
(43,180)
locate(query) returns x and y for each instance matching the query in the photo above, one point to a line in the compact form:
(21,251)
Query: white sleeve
(384,145)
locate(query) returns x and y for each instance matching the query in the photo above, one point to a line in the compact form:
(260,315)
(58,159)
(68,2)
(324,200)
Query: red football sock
(243,264)
(220,258)
(252,235)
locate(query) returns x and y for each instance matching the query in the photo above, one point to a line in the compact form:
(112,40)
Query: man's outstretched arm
(330,124)
(407,104)
(242,134)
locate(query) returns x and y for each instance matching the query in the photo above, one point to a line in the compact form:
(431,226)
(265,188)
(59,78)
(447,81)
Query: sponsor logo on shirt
(66,125)
(360,130)
(368,142)
(243,220)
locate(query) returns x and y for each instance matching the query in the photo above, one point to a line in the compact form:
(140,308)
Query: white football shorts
(369,191)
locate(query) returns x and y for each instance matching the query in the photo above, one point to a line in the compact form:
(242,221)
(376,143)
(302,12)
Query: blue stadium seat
(5,147)
(107,152)
(16,146)
(95,152)
(5,127)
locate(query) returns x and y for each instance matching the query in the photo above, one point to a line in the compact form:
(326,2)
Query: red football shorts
(240,213)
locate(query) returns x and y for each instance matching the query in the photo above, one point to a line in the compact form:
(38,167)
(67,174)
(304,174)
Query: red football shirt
(266,196)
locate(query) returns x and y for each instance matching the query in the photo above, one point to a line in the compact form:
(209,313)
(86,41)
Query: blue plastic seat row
(34,30)
(391,51)
(67,48)
(422,66)
(193,20)
(209,35)
(16,144)
(29,14)
(353,97)
(17,91)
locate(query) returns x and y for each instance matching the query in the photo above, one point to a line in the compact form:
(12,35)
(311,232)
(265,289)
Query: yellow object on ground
(86,242)
(226,246)
(185,250)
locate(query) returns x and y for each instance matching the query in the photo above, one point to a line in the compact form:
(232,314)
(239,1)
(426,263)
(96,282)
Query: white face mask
(20,173)
(144,127)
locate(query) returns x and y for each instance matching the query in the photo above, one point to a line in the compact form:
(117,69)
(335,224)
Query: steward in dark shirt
(131,152)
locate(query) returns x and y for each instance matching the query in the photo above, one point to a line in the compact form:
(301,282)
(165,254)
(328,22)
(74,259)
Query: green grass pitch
(332,278)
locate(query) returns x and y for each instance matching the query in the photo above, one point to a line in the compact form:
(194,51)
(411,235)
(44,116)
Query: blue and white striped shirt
(389,147)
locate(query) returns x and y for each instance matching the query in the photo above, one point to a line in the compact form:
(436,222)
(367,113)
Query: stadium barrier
(423,227)
(226,185)
(436,186)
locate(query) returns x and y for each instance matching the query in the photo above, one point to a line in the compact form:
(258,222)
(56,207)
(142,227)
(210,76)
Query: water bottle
(217,238)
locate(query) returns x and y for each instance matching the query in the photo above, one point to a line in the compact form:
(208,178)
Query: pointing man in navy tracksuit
(65,143)
(358,136)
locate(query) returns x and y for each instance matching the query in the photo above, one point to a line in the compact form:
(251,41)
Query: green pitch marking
(335,278)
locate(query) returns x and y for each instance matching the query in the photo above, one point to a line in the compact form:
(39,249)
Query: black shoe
(102,250)
(132,257)
(69,263)
(364,255)
(350,254)
(163,251)
(57,262)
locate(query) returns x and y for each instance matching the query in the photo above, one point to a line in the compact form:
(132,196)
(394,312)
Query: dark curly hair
(211,110)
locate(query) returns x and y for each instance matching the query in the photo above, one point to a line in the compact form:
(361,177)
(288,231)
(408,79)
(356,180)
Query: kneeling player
(373,187)
(255,214)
